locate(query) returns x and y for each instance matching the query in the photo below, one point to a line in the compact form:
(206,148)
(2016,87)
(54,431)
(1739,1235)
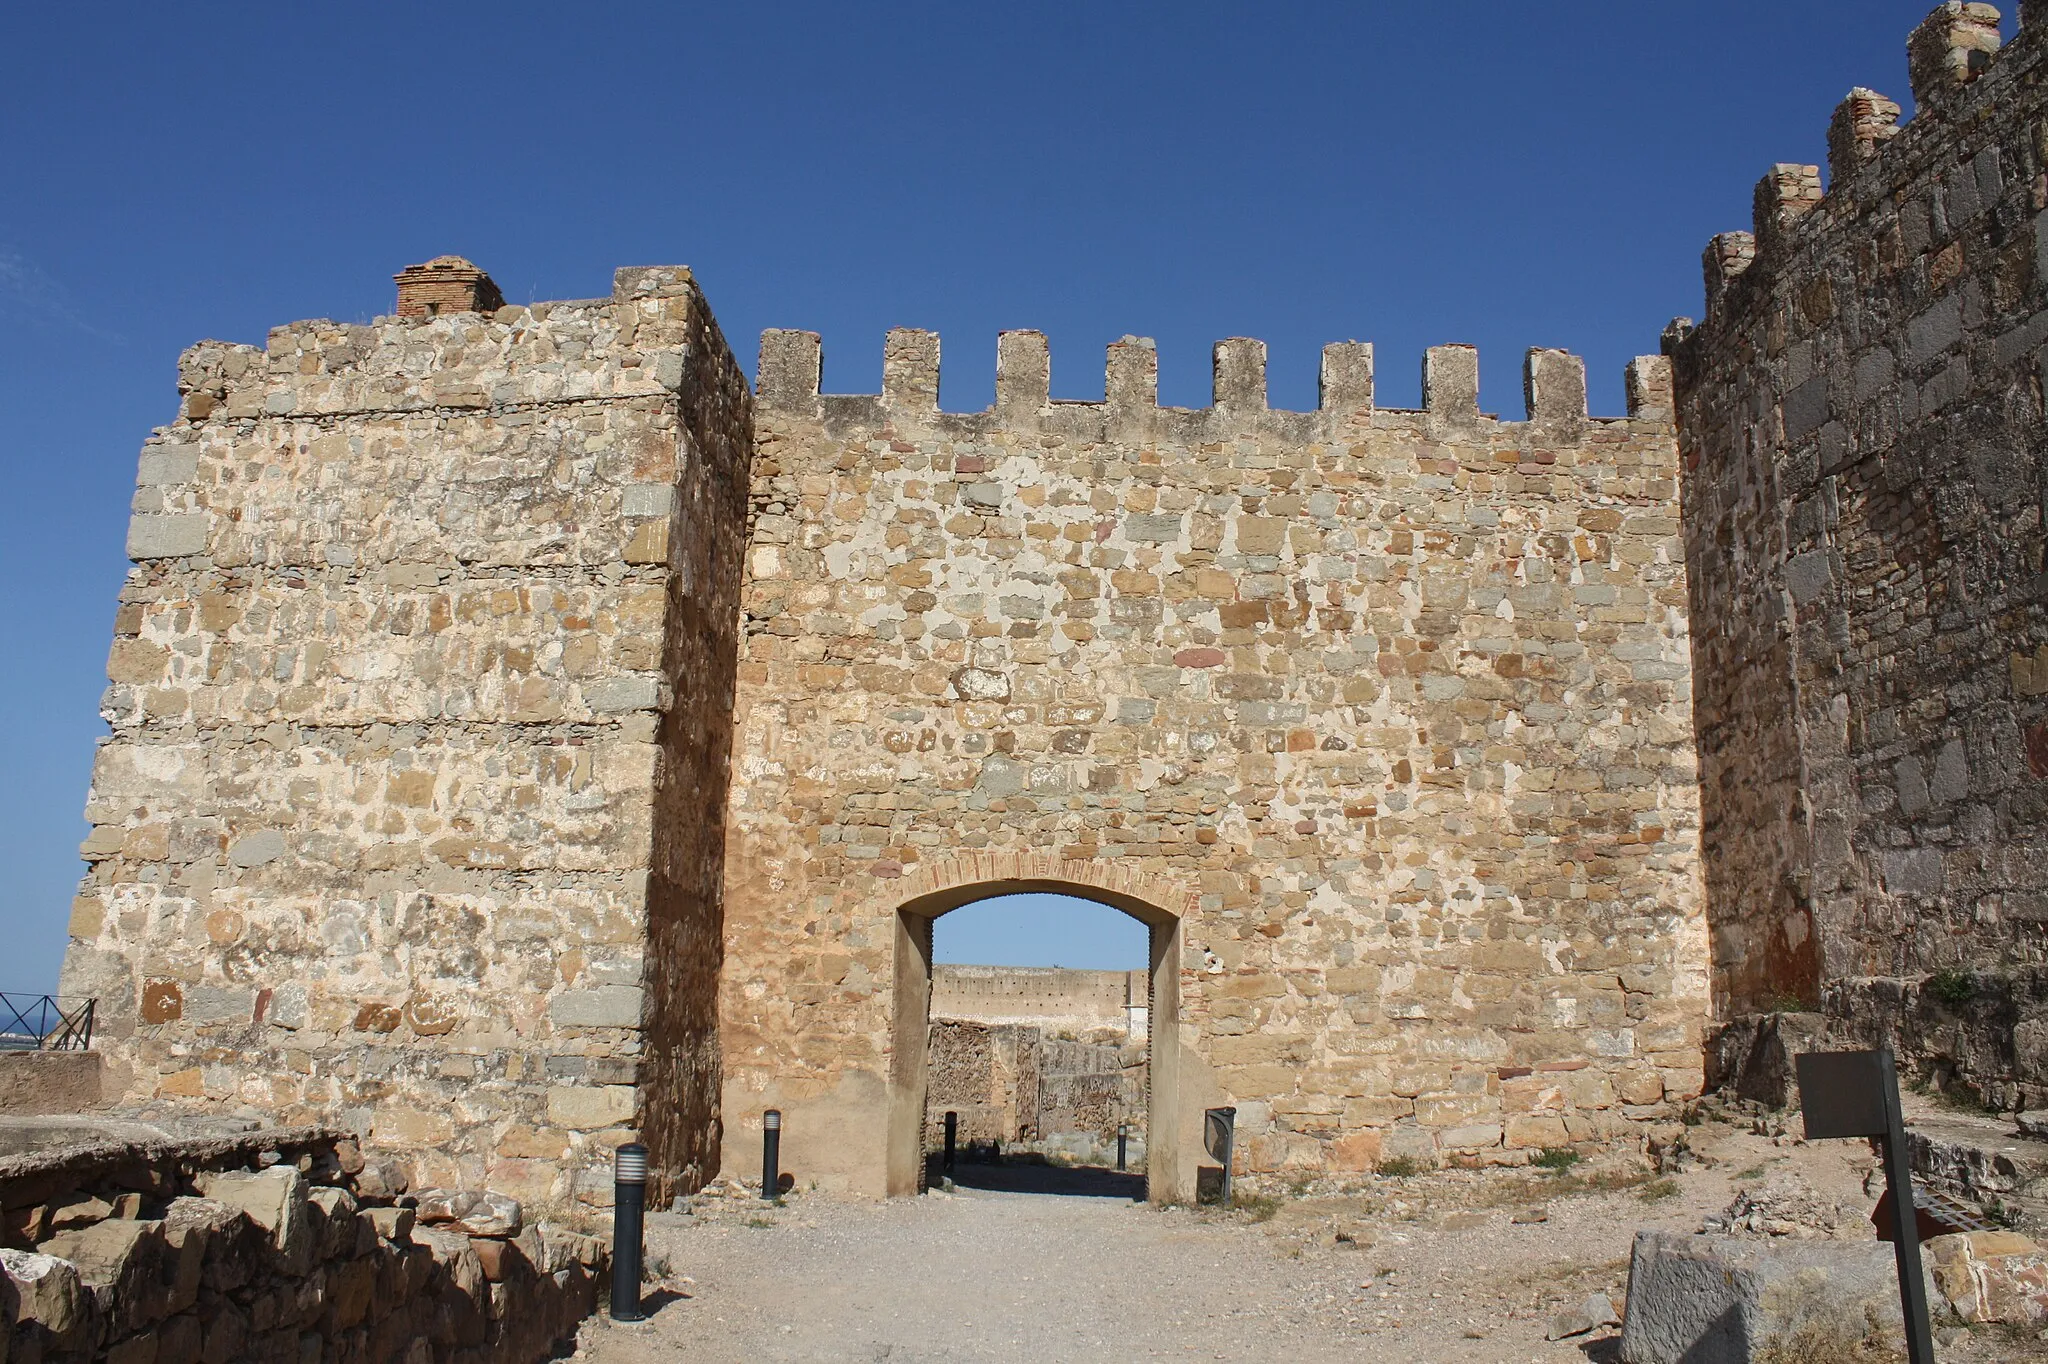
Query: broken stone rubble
(268,1264)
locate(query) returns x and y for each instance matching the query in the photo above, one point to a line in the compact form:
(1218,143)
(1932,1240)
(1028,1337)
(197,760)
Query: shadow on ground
(1083,1181)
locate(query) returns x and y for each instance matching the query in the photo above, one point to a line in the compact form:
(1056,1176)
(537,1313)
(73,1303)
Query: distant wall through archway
(1170,1175)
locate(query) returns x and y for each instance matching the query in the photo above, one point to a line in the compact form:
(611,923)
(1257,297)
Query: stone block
(607,1006)
(1990,1276)
(618,695)
(1725,1300)
(47,1291)
(1538,1130)
(587,1108)
(392,1224)
(473,1212)
(276,1200)
(167,536)
(199,1231)
(123,1263)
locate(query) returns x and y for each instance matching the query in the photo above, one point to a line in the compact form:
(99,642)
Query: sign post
(1856,1094)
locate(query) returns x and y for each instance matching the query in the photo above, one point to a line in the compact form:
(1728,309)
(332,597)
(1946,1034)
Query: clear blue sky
(1503,174)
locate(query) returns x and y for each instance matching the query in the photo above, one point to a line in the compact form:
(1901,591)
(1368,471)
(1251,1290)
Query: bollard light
(952,1140)
(1123,1133)
(629,1205)
(771,1153)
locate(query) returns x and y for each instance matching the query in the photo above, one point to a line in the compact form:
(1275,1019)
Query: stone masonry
(1380,718)
(1054,999)
(278,1245)
(1861,419)
(523,734)
(421,684)
(414,816)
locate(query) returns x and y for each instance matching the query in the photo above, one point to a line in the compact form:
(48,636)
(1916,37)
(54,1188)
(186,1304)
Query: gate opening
(1045,1055)
(1038,1048)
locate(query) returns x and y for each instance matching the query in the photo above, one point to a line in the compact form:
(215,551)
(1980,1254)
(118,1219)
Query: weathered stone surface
(38,1082)
(47,1291)
(1723,1300)
(1990,1276)
(275,1200)
(393,1224)
(1859,415)
(473,1212)
(388,722)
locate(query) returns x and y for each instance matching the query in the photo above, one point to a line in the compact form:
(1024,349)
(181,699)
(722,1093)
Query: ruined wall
(1085,1090)
(1391,707)
(1052,998)
(1861,419)
(277,1245)
(427,633)
(986,1074)
(1013,1084)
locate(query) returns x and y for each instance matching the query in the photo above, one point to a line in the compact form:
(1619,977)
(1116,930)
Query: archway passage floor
(980,1275)
(1435,1269)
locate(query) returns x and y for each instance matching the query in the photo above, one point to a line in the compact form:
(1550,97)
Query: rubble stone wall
(276,1246)
(1860,416)
(989,1076)
(420,695)
(1013,1084)
(1395,705)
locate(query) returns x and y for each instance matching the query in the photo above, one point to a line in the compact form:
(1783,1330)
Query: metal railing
(45,1022)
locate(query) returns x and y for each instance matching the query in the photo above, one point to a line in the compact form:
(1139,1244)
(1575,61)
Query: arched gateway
(524,733)
(1171,1127)
(1379,718)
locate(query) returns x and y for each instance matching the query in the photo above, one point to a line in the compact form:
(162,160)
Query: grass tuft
(1952,988)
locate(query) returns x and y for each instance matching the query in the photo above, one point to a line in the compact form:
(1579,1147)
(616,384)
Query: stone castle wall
(1861,418)
(1052,998)
(1389,709)
(420,704)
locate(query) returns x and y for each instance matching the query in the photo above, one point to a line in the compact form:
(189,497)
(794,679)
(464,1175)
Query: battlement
(455,346)
(1858,416)
(1957,69)
(1554,382)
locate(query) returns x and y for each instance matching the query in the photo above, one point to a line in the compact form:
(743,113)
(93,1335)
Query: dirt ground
(1458,1267)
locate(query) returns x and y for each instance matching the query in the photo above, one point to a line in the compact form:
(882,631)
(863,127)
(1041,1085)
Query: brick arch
(942,886)
(945,884)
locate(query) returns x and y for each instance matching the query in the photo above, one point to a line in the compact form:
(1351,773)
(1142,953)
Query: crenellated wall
(1381,718)
(1860,415)
(420,700)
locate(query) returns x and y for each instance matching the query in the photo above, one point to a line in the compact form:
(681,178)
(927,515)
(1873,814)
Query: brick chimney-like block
(1863,122)
(445,284)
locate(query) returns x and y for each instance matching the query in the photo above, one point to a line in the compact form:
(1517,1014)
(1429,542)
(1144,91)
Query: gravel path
(1466,1268)
(987,1275)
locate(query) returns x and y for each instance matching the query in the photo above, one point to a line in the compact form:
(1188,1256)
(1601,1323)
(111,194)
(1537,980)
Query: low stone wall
(282,1245)
(39,1082)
